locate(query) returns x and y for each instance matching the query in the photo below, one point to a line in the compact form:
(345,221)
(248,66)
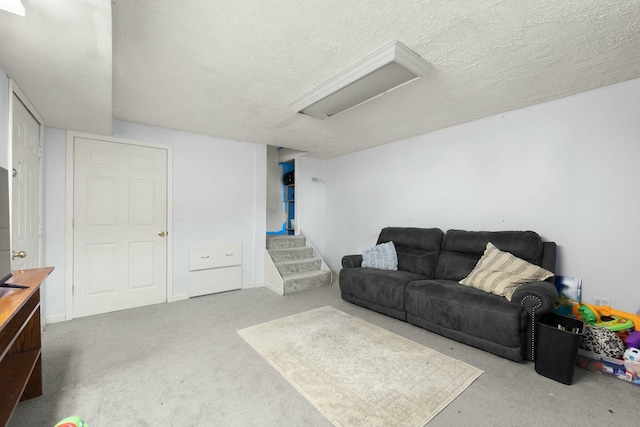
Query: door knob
(21,254)
(161,233)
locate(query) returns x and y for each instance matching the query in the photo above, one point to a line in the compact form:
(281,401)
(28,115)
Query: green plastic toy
(73,421)
(596,316)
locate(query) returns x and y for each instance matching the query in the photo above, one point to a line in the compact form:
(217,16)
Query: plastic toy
(73,421)
(605,317)
(632,355)
(633,340)
(605,310)
(632,364)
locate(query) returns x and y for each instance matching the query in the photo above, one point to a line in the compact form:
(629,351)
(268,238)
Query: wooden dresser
(20,341)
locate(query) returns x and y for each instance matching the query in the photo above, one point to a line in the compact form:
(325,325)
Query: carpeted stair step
(298,265)
(302,281)
(283,242)
(291,253)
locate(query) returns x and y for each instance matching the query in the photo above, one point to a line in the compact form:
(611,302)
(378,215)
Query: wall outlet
(601,301)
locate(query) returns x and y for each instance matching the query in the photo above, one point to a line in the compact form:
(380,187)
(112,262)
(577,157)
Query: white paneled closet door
(26,218)
(119,226)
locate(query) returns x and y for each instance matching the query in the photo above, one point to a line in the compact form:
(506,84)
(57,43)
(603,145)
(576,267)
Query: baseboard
(335,277)
(273,288)
(180,297)
(56,318)
(251,285)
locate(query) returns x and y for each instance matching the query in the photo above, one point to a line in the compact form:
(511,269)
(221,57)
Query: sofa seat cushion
(472,312)
(381,287)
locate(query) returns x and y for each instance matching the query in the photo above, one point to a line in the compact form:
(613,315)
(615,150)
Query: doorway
(281,191)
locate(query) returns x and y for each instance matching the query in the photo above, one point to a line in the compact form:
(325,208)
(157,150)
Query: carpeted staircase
(298,264)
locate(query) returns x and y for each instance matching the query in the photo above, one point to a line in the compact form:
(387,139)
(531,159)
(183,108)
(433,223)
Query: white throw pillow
(382,257)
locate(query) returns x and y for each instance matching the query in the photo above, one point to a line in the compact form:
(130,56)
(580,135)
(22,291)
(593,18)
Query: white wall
(54,221)
(310,201)
(218,187)
(567,169)
(275,215)
(218,190)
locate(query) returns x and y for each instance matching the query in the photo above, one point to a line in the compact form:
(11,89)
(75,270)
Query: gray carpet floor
(183,364)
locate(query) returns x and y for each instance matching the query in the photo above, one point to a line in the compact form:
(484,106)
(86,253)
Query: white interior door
(25,217)
(119,226)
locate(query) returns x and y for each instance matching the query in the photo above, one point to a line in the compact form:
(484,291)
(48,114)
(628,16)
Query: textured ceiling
(231,68)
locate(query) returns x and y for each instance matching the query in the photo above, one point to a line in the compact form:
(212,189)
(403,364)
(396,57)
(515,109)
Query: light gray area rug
(356,373)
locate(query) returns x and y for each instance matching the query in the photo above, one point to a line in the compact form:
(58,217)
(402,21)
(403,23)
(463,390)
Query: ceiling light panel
(381,72)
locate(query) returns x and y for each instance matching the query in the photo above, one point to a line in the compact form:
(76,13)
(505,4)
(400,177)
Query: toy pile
(611,341)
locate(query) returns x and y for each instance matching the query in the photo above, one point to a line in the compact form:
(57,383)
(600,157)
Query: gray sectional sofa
(425,292)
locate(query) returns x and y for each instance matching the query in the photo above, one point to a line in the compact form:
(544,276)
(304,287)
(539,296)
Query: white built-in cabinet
(214,268)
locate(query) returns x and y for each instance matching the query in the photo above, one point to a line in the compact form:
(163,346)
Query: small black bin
(557,341)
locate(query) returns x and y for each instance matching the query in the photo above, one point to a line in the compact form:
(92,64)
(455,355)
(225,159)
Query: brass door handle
(21,254)
(161,233)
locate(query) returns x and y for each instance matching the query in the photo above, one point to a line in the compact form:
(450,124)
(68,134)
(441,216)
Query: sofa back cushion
(461,250)
(417,248)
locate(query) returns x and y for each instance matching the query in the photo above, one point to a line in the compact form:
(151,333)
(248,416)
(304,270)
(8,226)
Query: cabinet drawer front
(213,280)
(214,256)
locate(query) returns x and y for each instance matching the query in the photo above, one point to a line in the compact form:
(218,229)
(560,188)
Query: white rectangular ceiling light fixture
(381,72)
(13,6)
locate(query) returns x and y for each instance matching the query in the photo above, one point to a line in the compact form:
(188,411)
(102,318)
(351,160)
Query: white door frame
(69,211)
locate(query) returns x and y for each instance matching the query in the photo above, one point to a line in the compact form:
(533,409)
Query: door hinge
(73,156)
(40,151)
(73,223)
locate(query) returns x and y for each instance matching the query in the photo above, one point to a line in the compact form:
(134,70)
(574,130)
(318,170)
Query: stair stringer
(323,265)
(272,278)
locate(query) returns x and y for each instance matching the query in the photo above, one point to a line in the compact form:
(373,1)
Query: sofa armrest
(351,261)
(535,298)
